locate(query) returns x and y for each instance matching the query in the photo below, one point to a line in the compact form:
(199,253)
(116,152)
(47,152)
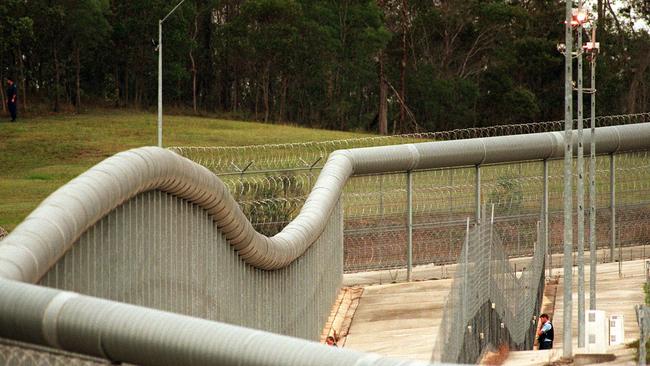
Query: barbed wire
(375,206)
(312,155)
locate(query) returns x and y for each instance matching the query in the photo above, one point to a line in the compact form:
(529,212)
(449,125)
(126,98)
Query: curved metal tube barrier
(143,336)
(47,233)
(128,333)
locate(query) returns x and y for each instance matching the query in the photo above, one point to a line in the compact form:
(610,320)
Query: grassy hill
(38,155)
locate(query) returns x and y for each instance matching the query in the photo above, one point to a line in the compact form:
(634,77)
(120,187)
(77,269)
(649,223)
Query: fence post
(465,273)
(642,334)
(567,345)
(612,203)
(592,192)
(545,212)
(490,245)
(477,194)
(580,198)
(409,244)
(381,196)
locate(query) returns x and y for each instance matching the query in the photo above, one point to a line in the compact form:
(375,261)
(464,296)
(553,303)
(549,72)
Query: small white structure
(597,339)
(616,329)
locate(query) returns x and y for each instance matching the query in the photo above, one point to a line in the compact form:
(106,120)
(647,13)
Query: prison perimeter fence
(271,182)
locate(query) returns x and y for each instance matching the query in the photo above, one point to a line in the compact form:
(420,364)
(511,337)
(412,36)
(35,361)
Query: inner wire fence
(490,304)
(376,206)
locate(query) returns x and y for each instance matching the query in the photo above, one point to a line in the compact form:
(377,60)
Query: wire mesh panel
(375,231)
(271,183)
(272,199)
(516,193)
(633,202)
(375,208)
(441,201)
(162,252)
(490,303)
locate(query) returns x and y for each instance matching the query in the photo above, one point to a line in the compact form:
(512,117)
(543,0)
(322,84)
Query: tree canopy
(388,65)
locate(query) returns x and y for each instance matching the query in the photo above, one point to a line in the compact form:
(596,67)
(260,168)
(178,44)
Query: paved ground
(615,295)
(401,320)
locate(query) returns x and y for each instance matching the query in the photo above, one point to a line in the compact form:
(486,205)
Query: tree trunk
(136,94)
(116,81)
(194,71)
(78,72)
(601,19)
(126,87)
(266,80)
(402,71)
(257,100)
(3,97)
(635,92)
(193,84)
(235,94)
(283,97)
(57,79)
(23,95)
(383,98)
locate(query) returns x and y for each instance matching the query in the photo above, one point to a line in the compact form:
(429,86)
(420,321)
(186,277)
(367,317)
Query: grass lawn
(38,155)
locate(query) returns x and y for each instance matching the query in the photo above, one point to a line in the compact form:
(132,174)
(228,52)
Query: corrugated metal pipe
(143,336)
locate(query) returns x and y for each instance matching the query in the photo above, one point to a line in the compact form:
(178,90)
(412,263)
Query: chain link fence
(271,183)
(490,303)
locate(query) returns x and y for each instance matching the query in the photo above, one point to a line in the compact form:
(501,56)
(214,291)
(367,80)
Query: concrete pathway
(615,295)
(399,320)
(402,319)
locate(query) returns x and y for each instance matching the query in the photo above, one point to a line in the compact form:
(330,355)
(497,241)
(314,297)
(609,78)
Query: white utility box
(616,329)
(596,335)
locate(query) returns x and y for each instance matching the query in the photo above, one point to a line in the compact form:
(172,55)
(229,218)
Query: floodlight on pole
(579,16)
(160,23)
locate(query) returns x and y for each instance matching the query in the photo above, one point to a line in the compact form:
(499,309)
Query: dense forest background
(341,64)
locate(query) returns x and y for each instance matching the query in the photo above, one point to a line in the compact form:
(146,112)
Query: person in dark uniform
(545,332)
(12,95)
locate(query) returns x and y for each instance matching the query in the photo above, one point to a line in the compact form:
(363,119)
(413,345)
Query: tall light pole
(160,48)
(581,17)
(592,49)
(567,346)
(576,18)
